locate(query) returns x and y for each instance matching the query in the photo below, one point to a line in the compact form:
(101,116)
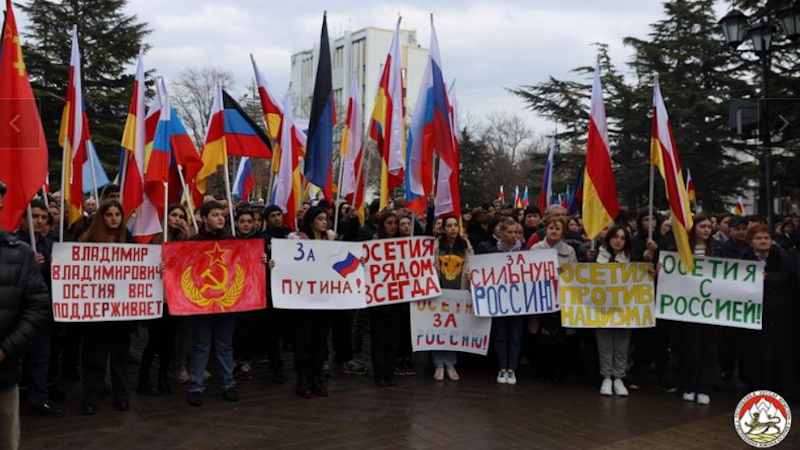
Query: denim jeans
(442,359)
(216,328)
(9,418)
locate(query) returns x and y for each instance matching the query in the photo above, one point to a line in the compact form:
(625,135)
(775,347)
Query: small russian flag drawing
(347,266)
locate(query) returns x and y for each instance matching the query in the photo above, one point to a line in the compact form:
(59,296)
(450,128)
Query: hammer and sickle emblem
(218,285)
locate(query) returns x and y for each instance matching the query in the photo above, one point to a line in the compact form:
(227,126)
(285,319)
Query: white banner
(400,270)
(106,282)
(448,323)
(515,283)
(316,274)
(717,291)
(597,295)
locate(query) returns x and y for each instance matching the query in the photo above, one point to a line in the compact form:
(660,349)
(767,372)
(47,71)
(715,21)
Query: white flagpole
(652,189)
(94,174)
(31,232)
(338,196)
(63,190)
(228,193)
(189,198)
(166,209)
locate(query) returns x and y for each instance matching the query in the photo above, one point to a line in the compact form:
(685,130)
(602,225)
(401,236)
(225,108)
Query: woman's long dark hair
(382,224)
(308,220)
(627,249)
(460,244)
(97,231)
(711,243)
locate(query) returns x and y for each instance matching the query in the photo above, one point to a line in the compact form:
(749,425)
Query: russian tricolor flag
(347,266)
(245,179)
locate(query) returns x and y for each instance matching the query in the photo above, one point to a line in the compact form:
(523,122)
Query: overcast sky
(486,44)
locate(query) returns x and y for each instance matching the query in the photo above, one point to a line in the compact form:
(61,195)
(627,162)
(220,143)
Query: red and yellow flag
(600,206)
(664,155)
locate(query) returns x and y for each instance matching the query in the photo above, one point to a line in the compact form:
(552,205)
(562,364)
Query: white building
(365,50)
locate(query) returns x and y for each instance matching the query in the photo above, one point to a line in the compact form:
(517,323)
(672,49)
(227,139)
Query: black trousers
(274,321)
(404,349)
(71,348)
(161,335)
(651,345)
(342,335)
(700,350)
(311,342)
(104,341)
(384,334)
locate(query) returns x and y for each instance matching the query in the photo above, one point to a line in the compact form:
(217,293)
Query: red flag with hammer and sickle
(23,148)
(210,277)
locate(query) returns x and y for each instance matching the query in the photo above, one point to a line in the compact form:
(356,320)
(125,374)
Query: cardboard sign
(106,282)
(717,291)
(607,296)
(316,274)
(400,270)
(514,284)
(448,323)
(211,277)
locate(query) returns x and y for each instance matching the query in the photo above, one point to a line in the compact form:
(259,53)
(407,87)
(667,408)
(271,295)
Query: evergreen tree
(476,165)
(109,40)
(697,79)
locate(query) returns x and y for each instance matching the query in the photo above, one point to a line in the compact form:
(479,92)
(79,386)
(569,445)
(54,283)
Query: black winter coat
(24,304)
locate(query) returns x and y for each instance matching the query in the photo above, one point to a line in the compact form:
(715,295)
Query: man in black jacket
(24,308)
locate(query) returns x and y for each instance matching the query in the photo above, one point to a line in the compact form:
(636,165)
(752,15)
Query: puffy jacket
(24,304)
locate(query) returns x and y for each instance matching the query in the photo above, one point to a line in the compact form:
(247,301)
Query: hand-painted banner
(448,323)
(717,291)
(106,282)
(314,274)
(607,296)
(400,270)
(211,277)
(514,284)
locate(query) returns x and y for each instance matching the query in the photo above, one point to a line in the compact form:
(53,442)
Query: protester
(38,357)
(208,328)
(613,344)
(700,341)
(312,327)
(385,326)
(735,247)
(507,331)
(452,261)
(25,310)
(104,341)
(276,321)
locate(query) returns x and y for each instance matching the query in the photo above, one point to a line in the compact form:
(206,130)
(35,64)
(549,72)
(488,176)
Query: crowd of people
(691,357)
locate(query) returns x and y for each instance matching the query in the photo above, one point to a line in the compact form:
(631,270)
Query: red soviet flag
(23,149)
(209,277)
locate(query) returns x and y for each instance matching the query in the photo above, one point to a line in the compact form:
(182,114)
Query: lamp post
(762,32)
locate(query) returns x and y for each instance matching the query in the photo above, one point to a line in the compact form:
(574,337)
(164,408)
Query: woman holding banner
(161,333)
(613,343)
(105,340)
(385,321)
(507,330)
(404,366)
(701,341)
(551,348)
(312,327)
(452,257)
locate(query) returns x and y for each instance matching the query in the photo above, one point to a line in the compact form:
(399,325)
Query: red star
(217,254)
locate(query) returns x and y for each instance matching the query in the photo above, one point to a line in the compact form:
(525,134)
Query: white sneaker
(502,377)
(703,399)
(688,396)
(183,375)
(619,388)
(605,388)
(511,378)
(206,375)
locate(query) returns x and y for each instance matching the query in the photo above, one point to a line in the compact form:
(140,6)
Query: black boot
(318,387)
(145,387)
(304,387)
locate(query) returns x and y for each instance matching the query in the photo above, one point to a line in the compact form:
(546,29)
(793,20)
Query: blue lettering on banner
(535,297)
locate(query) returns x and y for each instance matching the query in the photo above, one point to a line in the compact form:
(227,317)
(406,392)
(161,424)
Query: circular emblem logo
(762,419)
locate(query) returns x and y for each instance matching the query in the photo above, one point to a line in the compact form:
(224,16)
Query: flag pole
(31,232)
(63,190)
(189,198)
(652,185)
(124,166)
(44,196)
(166,209)
(268,200)
(338,196)
(228,193)
(359,171)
